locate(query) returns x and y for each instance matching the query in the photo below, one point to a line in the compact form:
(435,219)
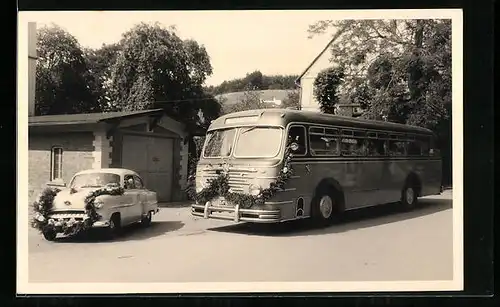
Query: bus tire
(324,206)
(409,197)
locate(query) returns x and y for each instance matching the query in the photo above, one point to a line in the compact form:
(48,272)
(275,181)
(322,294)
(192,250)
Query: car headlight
(254,189)
(98,204)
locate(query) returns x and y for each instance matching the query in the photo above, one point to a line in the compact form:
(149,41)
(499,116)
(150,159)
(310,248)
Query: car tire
(146,220)
(323,207)
(49,234)
(114,227)
(409,197)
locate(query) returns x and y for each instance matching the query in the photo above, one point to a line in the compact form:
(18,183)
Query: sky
(238,42)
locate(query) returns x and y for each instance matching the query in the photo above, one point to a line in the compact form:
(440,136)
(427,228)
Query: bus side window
(323,141)
(397,148)
(297,134)
(374,144)
(425,145)
(375,147)
(351,146)
(415,148)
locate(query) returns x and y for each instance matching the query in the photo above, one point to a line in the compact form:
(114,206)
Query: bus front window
(219,143)
(262,142)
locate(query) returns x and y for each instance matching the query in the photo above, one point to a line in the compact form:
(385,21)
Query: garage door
(152,159)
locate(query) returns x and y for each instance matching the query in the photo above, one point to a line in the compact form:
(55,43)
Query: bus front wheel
(323,209)
(409,197)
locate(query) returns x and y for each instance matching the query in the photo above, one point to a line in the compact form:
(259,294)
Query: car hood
(65,200)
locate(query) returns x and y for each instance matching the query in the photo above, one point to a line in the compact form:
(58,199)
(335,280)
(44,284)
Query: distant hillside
(254,81)
(233,98)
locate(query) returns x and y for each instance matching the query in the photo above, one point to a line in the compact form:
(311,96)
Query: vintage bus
(339,164)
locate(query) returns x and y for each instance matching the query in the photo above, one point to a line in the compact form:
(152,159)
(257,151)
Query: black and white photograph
(240,151)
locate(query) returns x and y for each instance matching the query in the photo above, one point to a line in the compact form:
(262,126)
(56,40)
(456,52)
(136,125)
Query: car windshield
(262,142)
(219,143)
(94,180)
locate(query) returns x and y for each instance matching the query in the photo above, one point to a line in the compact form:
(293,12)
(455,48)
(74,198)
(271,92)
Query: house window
(56,171)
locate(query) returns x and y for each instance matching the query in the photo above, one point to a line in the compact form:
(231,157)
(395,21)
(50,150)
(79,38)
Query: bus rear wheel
(323,208)
(409,197)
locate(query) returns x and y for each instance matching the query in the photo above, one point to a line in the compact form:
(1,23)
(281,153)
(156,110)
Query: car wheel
(409,197)
(146,220)
(114,227)
(49,234)
(323,208)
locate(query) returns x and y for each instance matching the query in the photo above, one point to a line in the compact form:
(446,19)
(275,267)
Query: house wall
(31,67)
(77,155)
(307,100)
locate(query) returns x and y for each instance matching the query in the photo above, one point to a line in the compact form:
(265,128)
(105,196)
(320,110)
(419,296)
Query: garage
(152,159)
(148,142)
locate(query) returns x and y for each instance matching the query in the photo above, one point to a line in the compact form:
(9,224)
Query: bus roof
(281,117)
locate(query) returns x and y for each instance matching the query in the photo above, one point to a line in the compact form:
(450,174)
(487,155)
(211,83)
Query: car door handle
(308,169)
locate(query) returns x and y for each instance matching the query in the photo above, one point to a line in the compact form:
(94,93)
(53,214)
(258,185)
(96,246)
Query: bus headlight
(254,189)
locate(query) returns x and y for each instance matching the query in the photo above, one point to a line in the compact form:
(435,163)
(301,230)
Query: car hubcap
(409,195)
(326,206)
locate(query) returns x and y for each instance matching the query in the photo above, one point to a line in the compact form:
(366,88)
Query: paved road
(375,244)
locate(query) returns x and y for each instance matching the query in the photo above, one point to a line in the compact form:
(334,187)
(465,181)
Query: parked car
(130,203)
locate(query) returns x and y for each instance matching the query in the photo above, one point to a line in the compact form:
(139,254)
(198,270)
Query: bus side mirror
(294,146)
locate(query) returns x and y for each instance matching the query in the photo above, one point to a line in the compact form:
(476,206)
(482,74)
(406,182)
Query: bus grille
(238,179)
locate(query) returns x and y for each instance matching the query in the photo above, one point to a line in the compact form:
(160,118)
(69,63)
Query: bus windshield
(219,143)
(263,142)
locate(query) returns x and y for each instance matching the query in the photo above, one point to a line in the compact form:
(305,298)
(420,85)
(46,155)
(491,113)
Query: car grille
(77,215)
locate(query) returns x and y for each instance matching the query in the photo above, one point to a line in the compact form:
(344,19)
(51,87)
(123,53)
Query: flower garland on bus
(43,206)
(219,186)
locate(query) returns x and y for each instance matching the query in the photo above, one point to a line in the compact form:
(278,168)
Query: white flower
(230,190)
(51,221)
(57,224)
(285,170)
(40,207)
(40,218)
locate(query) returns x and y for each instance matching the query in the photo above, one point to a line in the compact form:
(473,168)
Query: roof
(117,171)
(335,36)
(85,118)
(283,116)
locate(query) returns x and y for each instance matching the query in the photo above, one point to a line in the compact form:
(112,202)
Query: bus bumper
(236,214)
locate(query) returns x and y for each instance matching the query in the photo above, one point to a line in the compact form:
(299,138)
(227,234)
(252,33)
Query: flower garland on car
(219,186)
(43,206)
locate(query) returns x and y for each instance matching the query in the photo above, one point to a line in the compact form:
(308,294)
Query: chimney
(32,56)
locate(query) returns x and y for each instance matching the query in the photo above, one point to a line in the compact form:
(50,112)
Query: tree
(100,62)
(156,69)
(399,70)
(326,88)
(249,101)
(292,100)
(255,80)
(62,75)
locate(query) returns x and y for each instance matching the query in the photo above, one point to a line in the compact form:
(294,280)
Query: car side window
(129,182)
(138,183)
